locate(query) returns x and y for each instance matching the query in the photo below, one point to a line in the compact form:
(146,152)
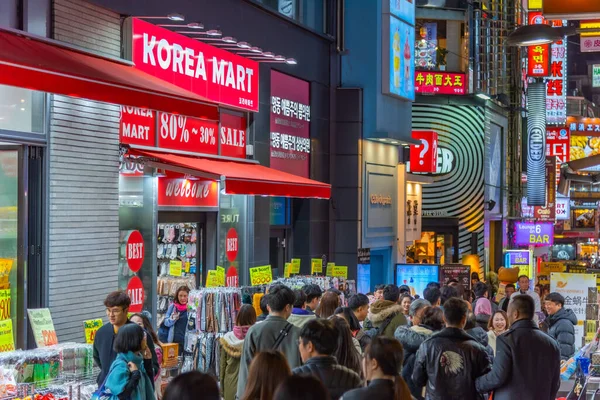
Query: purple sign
(518,258)
(534,233)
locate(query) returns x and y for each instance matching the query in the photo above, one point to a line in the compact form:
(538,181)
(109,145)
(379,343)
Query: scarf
(240,332)
(483,306)
(180,307)
(119,375)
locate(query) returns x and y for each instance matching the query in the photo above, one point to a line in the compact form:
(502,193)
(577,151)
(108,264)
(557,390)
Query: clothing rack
(214,309)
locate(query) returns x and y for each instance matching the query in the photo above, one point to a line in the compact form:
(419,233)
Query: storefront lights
(256,50)
(176,17)
(195,25)
(244,45)
(279,58)
(214,32)
(268,54)
(229,39)
(291,61)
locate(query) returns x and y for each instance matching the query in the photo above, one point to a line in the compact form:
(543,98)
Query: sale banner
(221,275)
(316,266)
(286,270)
(175,268)
(212,278)
(339,271)
(137,126)
(295,266)
(329,271)
(179,132)
(4,304)
(261,275)
(90,327)
(42,327)
(7,339)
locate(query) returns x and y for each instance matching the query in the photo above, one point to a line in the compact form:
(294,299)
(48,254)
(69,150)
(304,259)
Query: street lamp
(538,34)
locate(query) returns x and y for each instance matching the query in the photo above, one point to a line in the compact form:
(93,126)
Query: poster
(416,276)
(547,268)
(574,288)
(221,275)
(42,327)
(175,268)
(7,339)
(295,266)
(316,266)
(339,271)
(399,66)
(90,327)
(462,273)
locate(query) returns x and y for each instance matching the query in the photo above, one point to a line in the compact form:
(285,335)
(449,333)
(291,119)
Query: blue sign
(416,276)
(278,212)
(363,278)
(401,59)
(403,9)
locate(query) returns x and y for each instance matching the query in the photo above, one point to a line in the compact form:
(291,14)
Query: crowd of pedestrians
(450,344)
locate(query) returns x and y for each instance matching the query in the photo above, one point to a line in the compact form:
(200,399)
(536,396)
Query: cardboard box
(170,354)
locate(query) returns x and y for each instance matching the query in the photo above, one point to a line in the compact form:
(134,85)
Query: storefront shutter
(84,181)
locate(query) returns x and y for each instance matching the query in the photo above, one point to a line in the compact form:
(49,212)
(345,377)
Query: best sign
(215,74)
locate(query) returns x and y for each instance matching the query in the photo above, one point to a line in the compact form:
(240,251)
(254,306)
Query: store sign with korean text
(423,157)
(137,126)
(290,124)
(556,83)
(215,74)
(590,44)
(563,208)
(534,233)
(538,57)
(181,191)
(435,82)
(178,132)
(548,212)
(558,145)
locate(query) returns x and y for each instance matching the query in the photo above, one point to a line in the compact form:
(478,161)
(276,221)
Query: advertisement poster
(416,276)
(401,68)
(90,327)
(462,273)
(547,268)
(42,327)
(403,9)
(522,259)
(574,288)
(7,339)
(290,124)
(534,233)
(426,46)
(363,278)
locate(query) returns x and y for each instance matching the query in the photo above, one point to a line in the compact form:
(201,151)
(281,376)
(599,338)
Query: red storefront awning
(237,177)
(39,64)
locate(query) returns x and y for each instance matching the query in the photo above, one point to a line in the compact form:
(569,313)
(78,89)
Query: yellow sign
(261,275)
(316,266)
(330,269)
(287,269)
(534,5)
(42,327)
(594,24)
(6,265)
(175,268)
(339,272)
(221,273)
(546,268)
(90,327)
(212,278)
(7,340)
(4,304)
(295,266)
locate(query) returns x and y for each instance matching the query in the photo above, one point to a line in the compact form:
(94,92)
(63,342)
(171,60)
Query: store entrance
(278,244)
(439,241)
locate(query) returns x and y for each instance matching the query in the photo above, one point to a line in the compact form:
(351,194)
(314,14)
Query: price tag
(175,268)
(287,269)
(295,266)
(4,304)
(90,327)
(212,278)
(42,327)
(221,273)
(316,266)
(7,340)
(339,271)
(261,275)
(330,269)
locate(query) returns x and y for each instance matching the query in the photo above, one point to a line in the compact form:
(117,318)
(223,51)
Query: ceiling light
(214,32)
(483,96)
(229,39)
(279,58)
(383,140)
(268,54)
(176,17)
(244,45)
(22,100)
(538,34)
(22,108)
(195,25)
(256,50)
(291,61)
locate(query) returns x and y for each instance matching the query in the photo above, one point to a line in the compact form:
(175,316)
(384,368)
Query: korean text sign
(215,74)
(437,82)
(556,85)
(538,57)
(534,233)
(290,124)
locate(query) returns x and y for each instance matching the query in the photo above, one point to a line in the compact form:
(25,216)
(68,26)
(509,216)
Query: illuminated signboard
(556,85)
(596,74)
(437,82)
(538,57)
(534,234)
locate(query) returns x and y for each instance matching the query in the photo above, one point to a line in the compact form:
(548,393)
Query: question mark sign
(424,151)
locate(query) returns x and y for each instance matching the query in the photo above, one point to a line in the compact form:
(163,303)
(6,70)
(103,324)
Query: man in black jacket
(527,363)
(318,341)
(117,305)
(449,361)
(561,324)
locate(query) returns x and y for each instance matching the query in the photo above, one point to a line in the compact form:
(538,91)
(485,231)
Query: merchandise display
(214,309)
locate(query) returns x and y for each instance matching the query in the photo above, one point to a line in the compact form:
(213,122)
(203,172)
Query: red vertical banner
(423,157)
(233,135)
(538,57)
(558,145)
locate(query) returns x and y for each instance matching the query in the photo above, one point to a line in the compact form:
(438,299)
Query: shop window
(233,238)
(311,13)
(21,110)
(584,218)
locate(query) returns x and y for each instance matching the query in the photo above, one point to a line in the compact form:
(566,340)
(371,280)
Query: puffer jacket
(380,313)
(483,321)
(562,329)
(411,338)
(483,339)
(336,378)
(447,364)
(231,353)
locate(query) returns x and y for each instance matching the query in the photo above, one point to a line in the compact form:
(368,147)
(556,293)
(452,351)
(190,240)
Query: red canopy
(237,177)
(39,64)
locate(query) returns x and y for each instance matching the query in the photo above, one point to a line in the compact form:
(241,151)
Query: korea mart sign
(215,74)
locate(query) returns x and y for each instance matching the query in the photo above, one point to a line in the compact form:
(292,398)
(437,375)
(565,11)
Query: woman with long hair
(232,346)
(405,301)
(346,353)
(360,339)
(267,370)
(329,303)
(383,366)
(173,328)
(143,322)
(301,387)
(191,386)
(497,326)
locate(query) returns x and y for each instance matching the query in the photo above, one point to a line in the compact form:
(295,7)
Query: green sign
(596,75)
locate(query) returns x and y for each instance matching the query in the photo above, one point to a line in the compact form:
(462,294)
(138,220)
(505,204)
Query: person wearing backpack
(275,333)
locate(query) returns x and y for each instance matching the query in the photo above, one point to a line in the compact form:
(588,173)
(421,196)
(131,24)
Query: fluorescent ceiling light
(256,50)
(176,17)
(483,96)
(214,32)
(195,25)
(244,45)
(229,39)
(279,58)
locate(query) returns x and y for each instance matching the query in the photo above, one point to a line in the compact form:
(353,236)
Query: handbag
(101,393)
